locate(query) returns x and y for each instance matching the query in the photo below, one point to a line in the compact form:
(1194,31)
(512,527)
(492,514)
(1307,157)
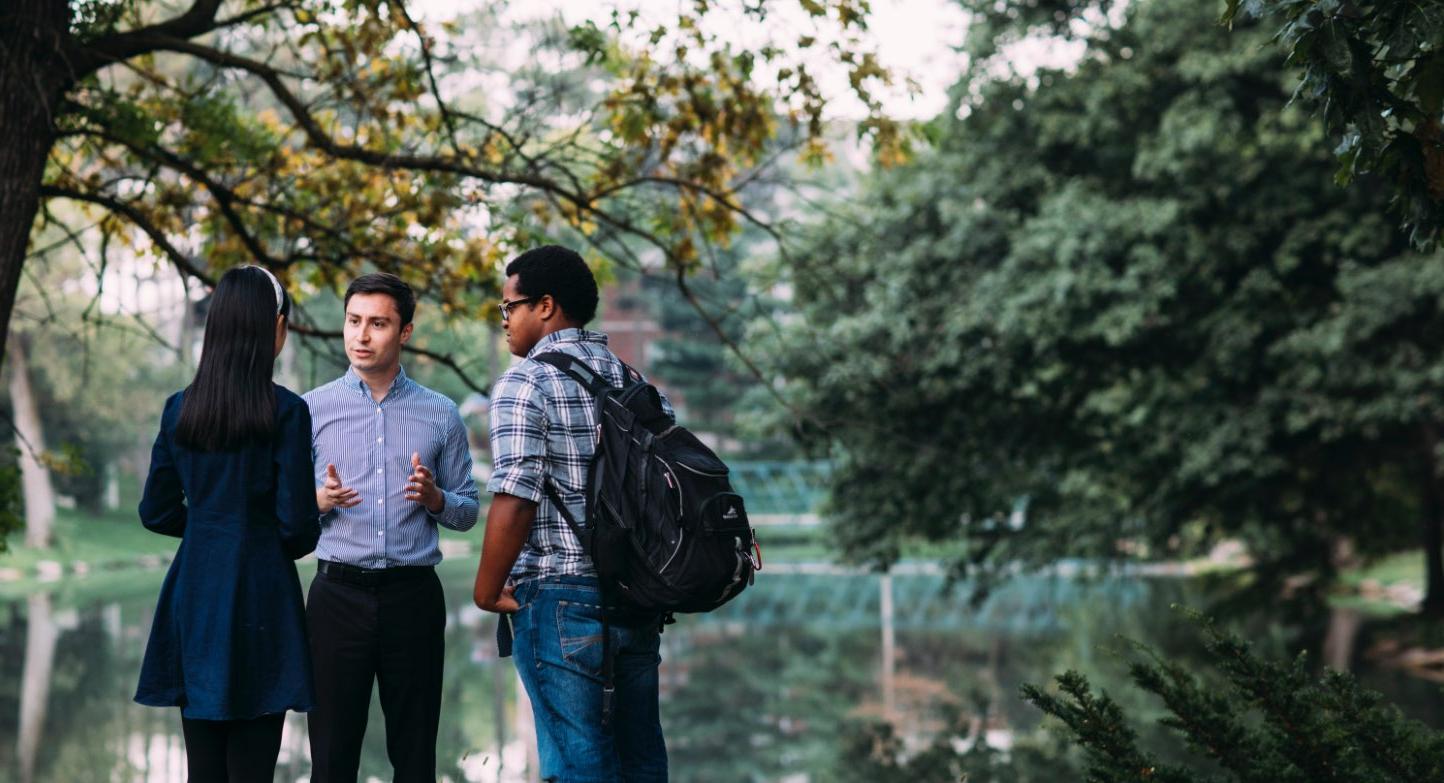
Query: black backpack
(664,528)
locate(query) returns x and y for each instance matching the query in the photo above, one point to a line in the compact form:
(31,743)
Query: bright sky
(913,38)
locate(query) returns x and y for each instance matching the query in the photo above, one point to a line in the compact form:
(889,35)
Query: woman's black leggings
(233,751)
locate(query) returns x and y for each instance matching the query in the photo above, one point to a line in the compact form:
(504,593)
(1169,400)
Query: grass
(1367,588)
(113,543)
(1398,568)
(98,540)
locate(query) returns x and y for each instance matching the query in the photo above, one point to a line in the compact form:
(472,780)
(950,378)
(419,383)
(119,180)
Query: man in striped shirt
(392,464)
(543,431)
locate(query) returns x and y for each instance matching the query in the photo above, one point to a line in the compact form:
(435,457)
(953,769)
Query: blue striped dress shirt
(370,444)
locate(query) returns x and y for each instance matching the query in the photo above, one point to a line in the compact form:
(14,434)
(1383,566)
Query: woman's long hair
(231,402)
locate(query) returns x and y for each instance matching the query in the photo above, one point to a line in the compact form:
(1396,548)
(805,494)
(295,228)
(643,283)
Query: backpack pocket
(724,512)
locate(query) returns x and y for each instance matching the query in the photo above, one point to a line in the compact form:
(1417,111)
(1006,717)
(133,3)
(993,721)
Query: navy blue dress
(229,637)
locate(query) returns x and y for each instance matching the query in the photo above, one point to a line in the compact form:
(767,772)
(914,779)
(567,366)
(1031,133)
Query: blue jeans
(557,646)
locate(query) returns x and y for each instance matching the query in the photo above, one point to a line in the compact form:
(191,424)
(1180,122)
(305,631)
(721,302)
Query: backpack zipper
(667,473)
(701,472)
(681,536)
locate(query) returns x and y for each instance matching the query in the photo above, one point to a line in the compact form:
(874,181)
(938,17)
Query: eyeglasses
(505,306)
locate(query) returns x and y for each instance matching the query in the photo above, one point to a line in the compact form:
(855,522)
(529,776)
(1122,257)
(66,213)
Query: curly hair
(560,272)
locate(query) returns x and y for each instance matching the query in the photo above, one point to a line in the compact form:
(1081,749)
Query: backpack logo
(731,513)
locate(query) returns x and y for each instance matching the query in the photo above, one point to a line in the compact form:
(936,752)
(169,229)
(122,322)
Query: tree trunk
(1341,637)
(33,79)
(1432,527)
(1433,565)
(30,439)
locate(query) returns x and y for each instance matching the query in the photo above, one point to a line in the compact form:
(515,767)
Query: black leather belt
(370,577)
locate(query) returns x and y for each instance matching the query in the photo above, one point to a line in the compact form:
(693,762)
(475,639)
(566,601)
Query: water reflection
(792,682)
(41,633)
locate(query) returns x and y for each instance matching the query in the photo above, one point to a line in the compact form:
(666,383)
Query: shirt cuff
(516,485)
(447,503)
(451,509)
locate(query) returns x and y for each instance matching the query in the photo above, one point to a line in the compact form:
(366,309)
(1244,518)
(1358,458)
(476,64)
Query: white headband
(276,284)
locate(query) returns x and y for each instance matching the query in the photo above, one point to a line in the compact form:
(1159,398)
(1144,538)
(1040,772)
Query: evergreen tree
(1265,722)
(1128,292)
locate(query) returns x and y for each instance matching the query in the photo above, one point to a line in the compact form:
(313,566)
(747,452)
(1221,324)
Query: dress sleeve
(163,503)
(296,511)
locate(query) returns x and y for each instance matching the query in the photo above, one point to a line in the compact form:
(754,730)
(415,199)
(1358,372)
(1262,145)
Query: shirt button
(379,501)
(381,532)
(378,470)
(378,410)
(378,440)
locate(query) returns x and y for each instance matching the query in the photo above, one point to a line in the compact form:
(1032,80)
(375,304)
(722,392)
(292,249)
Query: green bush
(1257,722)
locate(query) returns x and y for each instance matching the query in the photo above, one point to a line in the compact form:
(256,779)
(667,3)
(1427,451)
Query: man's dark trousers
(387,626)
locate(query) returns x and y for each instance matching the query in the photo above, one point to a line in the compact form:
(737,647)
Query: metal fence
(782,489)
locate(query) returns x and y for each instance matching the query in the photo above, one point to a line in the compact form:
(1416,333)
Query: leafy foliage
(324,137)
(11,503)
(1375,71)
(1127,292)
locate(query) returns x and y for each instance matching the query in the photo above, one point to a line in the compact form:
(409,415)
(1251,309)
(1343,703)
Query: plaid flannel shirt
(543,425)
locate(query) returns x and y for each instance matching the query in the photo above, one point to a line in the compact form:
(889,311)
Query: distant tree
(702,350)
(1375,73)
(11,508)
(1127,292)
(99,375)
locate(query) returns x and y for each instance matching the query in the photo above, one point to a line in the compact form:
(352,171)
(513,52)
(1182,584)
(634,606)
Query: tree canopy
(1128,293)
(320,137)
(1375,73)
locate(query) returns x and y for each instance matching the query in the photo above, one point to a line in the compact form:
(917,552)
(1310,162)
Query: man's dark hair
(231,402)
(389,284)
(559,271)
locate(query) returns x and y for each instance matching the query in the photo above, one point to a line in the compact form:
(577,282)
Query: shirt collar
(566,336)
(354,382)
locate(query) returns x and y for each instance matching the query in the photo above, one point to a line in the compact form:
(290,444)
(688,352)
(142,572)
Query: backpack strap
(577,370)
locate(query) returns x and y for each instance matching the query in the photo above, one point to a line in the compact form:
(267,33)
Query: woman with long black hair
(231,476)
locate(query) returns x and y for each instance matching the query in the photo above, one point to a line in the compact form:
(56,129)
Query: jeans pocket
(579,637)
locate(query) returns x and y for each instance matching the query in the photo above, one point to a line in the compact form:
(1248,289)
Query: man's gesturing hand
(421,486)
(332,495)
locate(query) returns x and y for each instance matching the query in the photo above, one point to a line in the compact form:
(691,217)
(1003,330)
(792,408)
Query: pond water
(773,687)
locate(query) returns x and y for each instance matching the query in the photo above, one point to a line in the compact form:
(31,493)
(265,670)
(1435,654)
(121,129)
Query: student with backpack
(605,517)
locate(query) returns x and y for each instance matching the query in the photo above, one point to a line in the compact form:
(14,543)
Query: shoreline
(95,549)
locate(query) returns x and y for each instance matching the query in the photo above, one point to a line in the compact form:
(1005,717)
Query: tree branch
(319,138)
(430,67)
(247,16)
(117,47)
(224,196)
(137,218)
